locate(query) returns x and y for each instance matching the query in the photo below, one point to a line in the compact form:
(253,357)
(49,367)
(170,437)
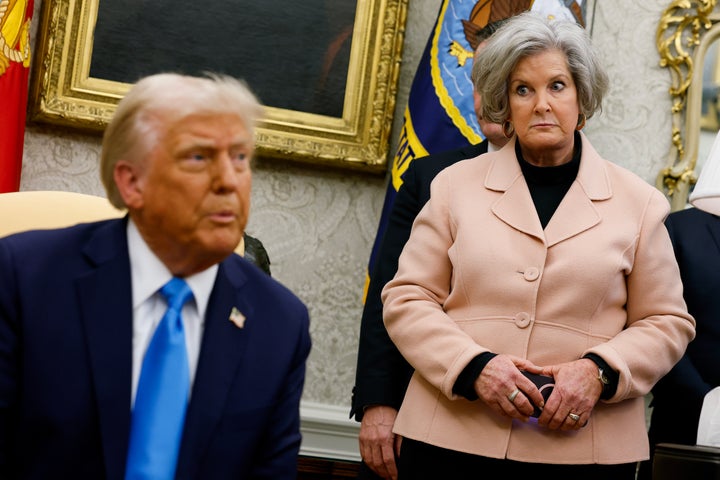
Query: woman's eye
(557,86)
(522,90)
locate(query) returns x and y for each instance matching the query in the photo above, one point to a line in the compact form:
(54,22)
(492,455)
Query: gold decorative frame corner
(63,93)
(679,38)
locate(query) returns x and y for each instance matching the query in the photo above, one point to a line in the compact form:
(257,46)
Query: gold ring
(514,394)
(574,417)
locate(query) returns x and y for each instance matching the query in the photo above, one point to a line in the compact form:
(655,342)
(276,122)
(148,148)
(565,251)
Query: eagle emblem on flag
(14,34)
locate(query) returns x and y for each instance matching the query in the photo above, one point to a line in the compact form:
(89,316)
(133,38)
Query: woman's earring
(581,121)
(508,129)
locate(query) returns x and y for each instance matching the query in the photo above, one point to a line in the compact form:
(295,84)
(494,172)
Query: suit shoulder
(635,188)
(627,176)
(432,164)
(262,285)
(51,241)
(469,167)
(690,216)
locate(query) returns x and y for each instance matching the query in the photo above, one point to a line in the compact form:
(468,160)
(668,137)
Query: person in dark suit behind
(678,396)
(256,253)
(79,308)
(382,374)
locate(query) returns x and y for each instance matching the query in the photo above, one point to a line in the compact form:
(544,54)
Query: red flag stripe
(14,71)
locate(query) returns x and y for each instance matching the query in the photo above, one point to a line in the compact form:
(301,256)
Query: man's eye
(239,158)
(193,160)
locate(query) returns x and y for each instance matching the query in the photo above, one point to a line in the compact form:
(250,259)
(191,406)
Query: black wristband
(613,377)
(465,383)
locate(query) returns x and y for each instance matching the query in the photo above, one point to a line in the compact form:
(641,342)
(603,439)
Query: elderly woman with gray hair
(542,262)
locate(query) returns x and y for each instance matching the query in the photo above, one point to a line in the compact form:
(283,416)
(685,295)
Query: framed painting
(326,70)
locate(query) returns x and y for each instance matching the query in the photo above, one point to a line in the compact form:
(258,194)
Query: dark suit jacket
(678,397)
(382,374)
(65,364)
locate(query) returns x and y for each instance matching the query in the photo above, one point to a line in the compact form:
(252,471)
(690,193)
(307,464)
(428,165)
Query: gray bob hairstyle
(157,101)
(528,34)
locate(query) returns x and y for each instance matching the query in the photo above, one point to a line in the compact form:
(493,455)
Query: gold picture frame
(62,91)
(683,36)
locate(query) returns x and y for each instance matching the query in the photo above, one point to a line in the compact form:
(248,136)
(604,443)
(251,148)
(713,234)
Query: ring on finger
(514,394)
(573,416)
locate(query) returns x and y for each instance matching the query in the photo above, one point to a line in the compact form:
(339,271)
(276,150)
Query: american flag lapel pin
(237,317)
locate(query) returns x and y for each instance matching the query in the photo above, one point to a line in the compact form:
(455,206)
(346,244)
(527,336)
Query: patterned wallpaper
(318,225)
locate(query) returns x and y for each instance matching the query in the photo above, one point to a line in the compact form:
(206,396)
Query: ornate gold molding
(680,31)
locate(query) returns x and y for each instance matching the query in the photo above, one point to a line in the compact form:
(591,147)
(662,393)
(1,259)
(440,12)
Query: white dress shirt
(148,274)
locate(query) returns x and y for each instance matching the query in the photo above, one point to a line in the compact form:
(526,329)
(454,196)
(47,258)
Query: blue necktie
(162,394)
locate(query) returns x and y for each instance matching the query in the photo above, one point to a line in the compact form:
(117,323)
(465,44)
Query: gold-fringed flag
(440,114)
(15,17)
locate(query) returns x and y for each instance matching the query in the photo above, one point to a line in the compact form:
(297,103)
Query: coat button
(531,274)
(522,319)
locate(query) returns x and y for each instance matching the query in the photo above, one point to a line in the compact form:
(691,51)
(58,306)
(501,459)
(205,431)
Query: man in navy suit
(678,396)
(79,306)
(382,374)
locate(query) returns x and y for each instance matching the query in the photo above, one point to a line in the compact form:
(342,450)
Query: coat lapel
(105,300)
(576,213)
(223,346)
(472,151)
(515,207)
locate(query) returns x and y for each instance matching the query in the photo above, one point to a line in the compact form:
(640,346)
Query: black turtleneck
(548,185)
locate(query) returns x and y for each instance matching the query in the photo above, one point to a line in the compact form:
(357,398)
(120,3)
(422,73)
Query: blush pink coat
(480,274)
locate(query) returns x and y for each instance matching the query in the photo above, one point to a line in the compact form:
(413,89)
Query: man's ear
(129,184)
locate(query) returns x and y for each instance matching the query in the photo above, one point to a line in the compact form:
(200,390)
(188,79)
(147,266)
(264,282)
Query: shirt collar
(148,274)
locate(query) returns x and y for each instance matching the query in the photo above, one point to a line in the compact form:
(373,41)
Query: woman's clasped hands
(504,388)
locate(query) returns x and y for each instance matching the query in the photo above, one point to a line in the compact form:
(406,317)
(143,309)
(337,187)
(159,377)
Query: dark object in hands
(545,384)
